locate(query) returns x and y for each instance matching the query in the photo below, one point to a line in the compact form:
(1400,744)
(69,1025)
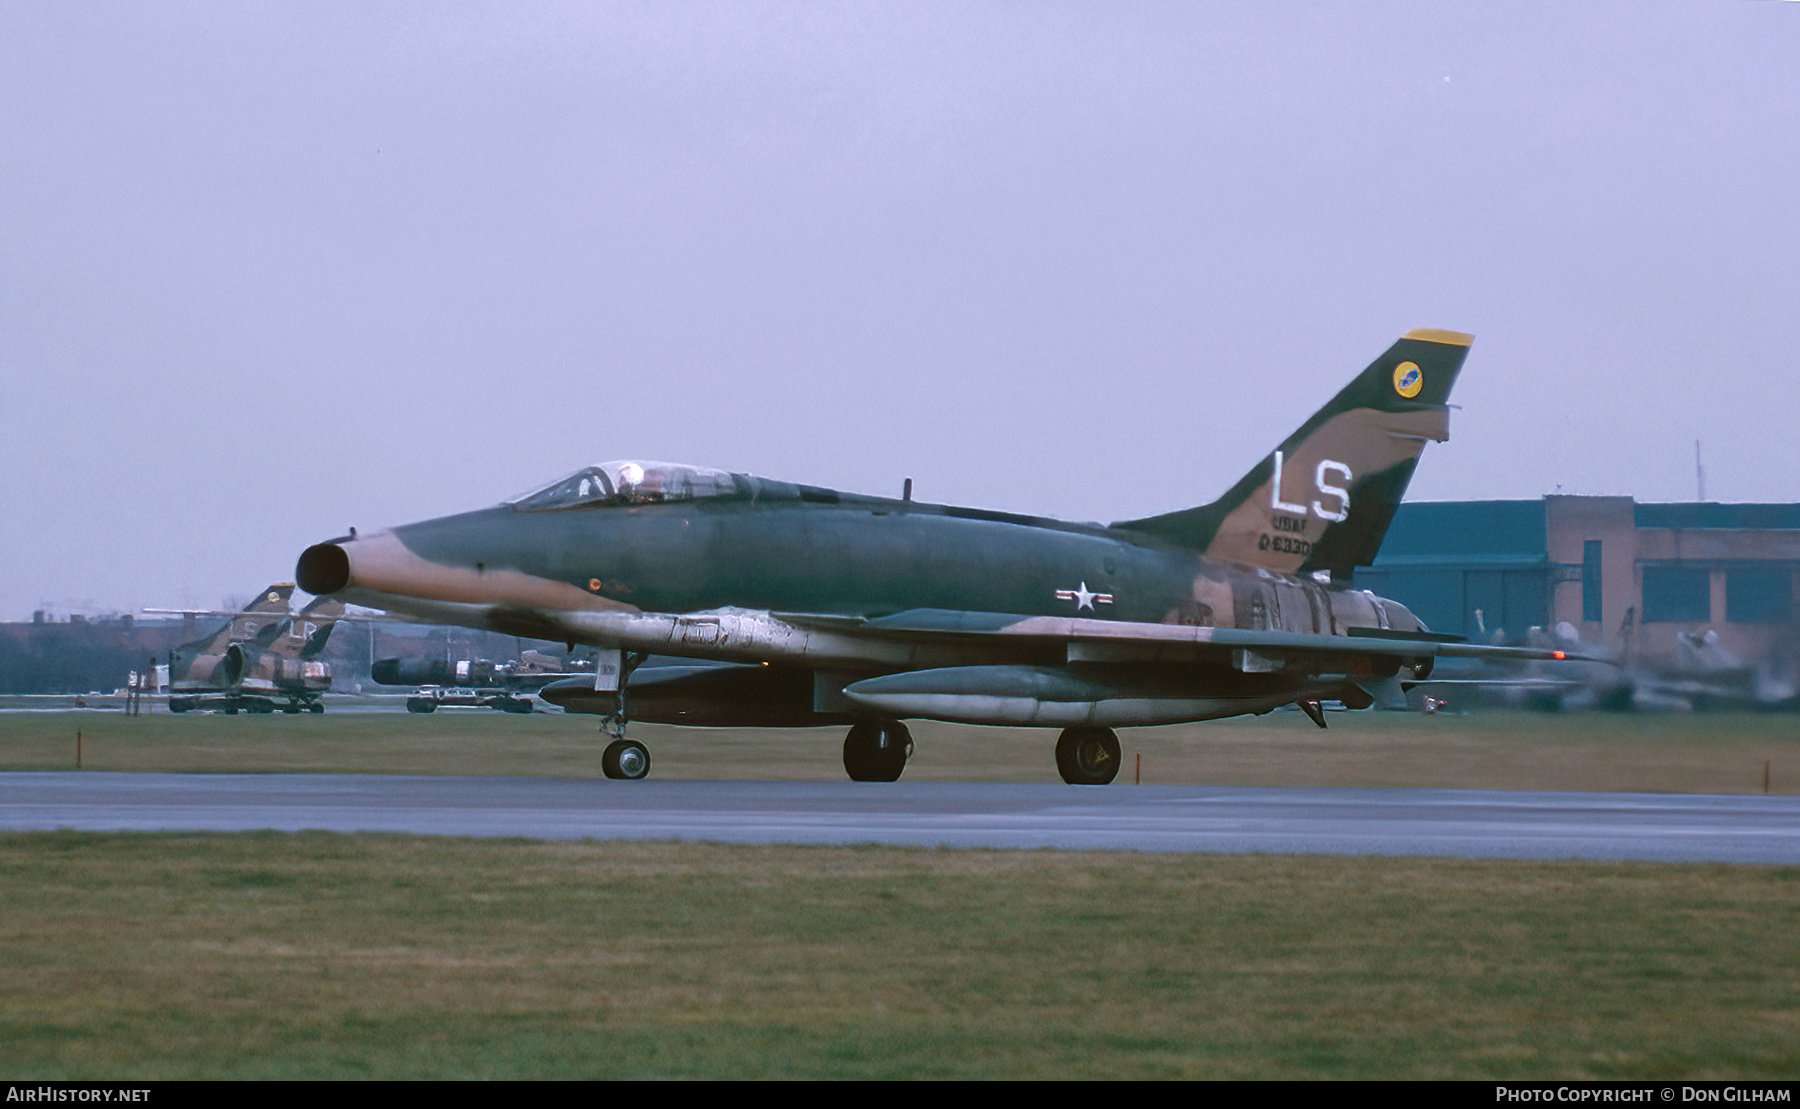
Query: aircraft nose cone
(323,568)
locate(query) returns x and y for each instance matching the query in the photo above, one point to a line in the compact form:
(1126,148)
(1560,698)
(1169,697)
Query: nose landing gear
(623,759)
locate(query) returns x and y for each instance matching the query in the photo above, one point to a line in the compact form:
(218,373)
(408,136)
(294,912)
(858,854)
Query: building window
(1677,594)
(1759,595)
(1590,581)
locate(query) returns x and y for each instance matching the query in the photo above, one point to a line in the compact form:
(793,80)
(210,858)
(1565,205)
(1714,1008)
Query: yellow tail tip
(1438,335)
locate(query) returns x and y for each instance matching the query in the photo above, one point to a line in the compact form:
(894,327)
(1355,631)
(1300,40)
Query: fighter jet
(832,607)
(476,683)
(261,660)
(1611,678)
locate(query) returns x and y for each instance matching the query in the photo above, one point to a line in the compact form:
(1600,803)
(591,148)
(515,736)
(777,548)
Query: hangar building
(1477,567)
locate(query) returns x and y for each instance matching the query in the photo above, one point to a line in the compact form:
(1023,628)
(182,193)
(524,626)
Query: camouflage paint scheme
(476,683)
(844,607)
(260,660)
(531,673)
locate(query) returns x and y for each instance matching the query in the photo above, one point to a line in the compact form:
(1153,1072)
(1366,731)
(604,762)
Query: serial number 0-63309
(1286,544)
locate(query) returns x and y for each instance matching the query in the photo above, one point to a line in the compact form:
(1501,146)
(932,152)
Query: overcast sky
(271,270)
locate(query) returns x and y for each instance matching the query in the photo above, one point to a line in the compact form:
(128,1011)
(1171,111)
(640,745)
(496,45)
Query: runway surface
(1470,823)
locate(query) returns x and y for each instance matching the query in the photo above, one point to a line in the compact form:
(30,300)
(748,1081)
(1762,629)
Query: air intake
(323,568)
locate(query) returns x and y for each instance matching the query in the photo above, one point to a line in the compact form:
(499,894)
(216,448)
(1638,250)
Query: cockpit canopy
(629,482)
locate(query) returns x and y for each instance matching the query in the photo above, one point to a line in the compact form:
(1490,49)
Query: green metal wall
(1448,560)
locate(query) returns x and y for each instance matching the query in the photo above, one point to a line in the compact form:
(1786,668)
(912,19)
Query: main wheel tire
(420,704)
(877,750)
(1088,756)
(626,759)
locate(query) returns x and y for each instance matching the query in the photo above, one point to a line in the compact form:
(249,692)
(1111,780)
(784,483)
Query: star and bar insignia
(1084,597)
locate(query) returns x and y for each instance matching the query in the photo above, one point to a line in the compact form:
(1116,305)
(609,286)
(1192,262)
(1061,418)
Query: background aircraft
(478,683)
(263,659)
(837,607)
(1609,677)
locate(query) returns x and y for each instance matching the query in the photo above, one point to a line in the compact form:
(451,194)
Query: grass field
(1716,753)
(316,955)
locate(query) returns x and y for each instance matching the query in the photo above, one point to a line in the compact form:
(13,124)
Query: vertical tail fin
(305,634)
(316,621)
(1323,499)
(261,620)
(257,624)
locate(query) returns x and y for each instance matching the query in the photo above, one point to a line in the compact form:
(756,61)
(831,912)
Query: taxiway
(1468,823)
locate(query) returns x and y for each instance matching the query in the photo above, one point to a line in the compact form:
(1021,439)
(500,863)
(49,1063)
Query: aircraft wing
(1126,641)
(924,637)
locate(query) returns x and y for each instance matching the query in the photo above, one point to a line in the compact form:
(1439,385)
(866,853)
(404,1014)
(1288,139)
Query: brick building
(1692,567)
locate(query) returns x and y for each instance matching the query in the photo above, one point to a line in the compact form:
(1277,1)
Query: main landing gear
(877,750)
(1088,756)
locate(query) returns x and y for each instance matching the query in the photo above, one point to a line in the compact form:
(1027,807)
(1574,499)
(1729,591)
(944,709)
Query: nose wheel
(625,759)
(1088,756)
(877,750)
